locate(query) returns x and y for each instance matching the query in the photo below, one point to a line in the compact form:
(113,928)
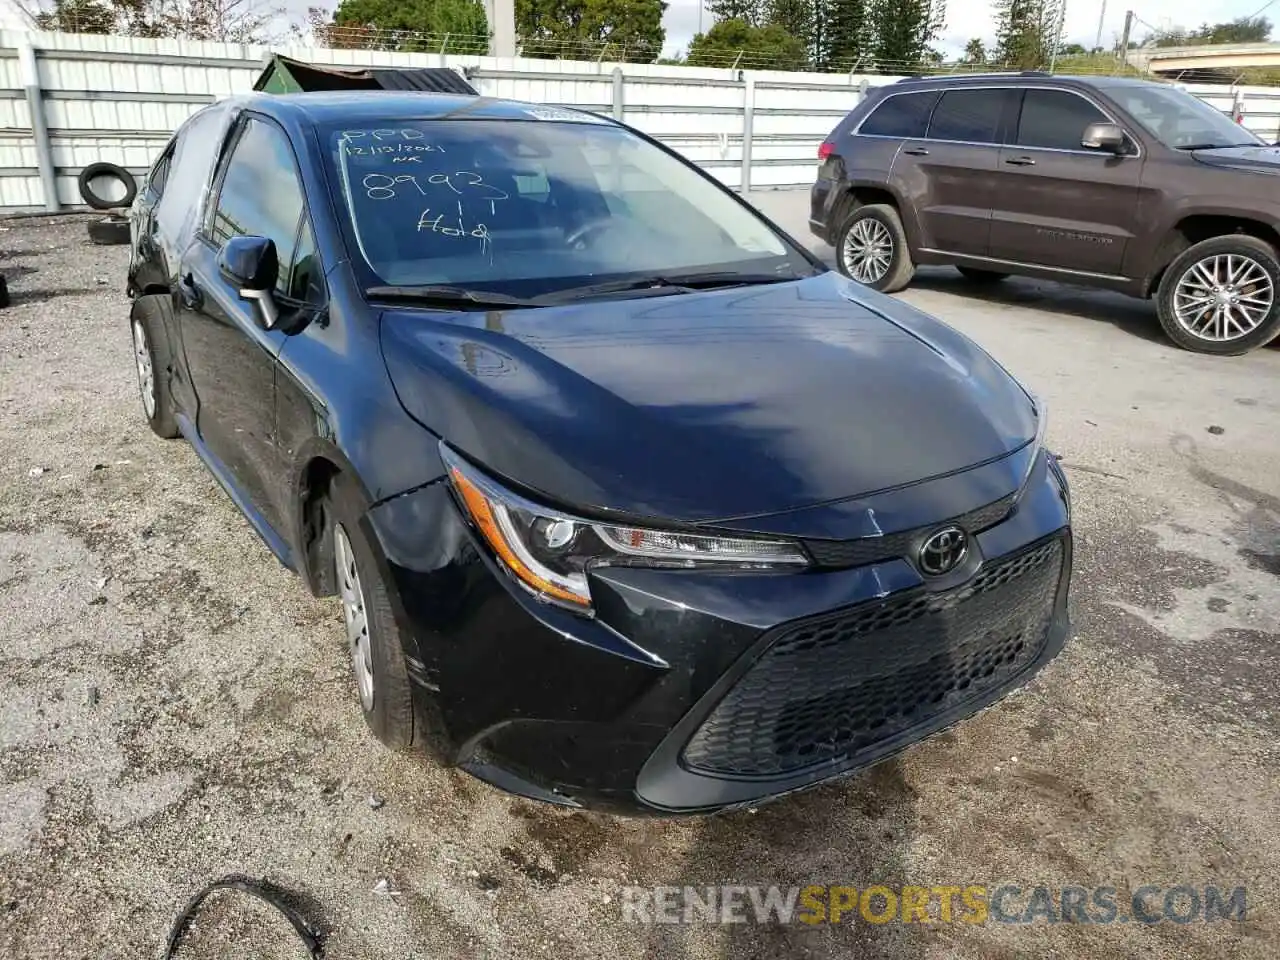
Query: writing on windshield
(449,203)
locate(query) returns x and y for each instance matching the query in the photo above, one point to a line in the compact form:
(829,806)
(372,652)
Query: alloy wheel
(868,250)
(1223,297)
(146,372)
(355,614)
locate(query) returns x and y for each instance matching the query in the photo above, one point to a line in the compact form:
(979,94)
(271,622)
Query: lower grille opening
(829,688)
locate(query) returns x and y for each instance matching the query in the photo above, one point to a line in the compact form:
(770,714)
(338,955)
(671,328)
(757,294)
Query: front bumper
(698,690)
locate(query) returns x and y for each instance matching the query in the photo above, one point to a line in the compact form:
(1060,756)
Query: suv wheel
(871,248)
(1220,296)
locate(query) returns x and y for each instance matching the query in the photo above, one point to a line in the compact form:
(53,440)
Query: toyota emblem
(943,551)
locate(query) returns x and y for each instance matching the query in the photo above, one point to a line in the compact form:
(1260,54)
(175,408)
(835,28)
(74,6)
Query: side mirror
(1103,136)
(250,264)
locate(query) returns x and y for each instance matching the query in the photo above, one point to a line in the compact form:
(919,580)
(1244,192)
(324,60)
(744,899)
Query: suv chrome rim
(868,250)
(355,615)
(1223,297)
(146,373)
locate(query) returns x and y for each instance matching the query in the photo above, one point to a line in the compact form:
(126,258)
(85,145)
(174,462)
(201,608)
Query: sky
(965,19)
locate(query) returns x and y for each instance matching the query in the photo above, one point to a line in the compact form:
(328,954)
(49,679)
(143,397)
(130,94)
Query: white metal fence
(67,100)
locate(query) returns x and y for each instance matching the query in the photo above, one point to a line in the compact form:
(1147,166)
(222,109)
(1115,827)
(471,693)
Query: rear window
(971,116)
(901,115)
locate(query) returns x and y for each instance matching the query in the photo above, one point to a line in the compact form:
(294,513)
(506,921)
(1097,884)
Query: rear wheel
(151,362)
(373,639)
(1220,296)
(974,275)
(871,248)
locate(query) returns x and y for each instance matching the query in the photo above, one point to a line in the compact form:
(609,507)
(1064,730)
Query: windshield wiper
(675,283)
(1217,146)
(437,295)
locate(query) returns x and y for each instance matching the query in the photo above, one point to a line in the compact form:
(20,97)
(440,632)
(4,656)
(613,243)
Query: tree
(796,17)
(903,30)
(459,26)
(974,52)
(627,30)
(75,16)
(234,21)
(1240,30)
(846,38)
(758,48)
(754,13)
(1025,32)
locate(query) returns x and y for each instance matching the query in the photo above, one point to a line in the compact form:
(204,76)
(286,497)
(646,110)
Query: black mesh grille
(833,686)
(856,553)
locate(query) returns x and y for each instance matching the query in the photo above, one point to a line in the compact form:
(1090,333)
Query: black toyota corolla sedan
(629,501)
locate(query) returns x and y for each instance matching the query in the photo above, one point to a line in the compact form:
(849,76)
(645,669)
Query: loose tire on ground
(148,327)
(869,226)
(974,275)
(1199,268)
(390,715)
(103,170)
(111,231)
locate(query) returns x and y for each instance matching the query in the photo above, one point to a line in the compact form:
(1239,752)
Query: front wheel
(373,639)
(1219,296)
(871,248)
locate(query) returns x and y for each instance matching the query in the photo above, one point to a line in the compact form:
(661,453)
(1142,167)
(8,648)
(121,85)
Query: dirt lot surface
(174,706)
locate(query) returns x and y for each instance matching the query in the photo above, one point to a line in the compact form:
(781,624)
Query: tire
(385,695)
(974,275)
(153,363)
(881,224)
(1215,330)
(97,171)
(111,231)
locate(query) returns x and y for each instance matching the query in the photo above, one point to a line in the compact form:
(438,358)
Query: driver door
(230,353)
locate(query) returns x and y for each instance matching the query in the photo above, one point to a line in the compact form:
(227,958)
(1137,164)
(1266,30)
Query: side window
(159,174)
(1056,119)
(306,283)
(972,116)
(905,115)
(261,195)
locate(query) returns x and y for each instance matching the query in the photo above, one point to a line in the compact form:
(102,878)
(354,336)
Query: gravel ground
(174,706)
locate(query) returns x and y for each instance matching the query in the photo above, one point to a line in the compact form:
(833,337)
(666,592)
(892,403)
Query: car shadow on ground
(853,833)
(1134,316)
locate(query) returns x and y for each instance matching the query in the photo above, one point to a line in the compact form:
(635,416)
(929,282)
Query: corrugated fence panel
(119,98)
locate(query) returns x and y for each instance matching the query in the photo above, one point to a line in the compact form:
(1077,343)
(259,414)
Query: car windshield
(532,207)
(1179,120)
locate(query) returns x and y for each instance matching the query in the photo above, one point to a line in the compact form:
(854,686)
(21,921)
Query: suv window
(261,194)
(972,116)
(901,115)
(1055,119)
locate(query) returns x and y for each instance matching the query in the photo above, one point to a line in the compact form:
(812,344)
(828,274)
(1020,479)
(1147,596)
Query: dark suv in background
(1110,182)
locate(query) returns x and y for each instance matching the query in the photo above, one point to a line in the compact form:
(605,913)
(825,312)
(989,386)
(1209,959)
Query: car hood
(708,406)
(1258,159)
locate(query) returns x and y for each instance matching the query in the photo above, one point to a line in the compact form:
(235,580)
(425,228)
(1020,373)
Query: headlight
(549,552)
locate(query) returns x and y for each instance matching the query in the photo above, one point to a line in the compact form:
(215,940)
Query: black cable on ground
(310,935)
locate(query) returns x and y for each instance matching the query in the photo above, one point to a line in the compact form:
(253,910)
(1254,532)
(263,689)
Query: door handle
(1021,161)
(188,290)
(916,151)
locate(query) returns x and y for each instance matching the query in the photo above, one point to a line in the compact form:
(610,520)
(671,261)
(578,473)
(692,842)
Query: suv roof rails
(1035,73)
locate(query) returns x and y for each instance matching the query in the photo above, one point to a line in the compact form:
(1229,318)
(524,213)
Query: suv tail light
(824,150)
